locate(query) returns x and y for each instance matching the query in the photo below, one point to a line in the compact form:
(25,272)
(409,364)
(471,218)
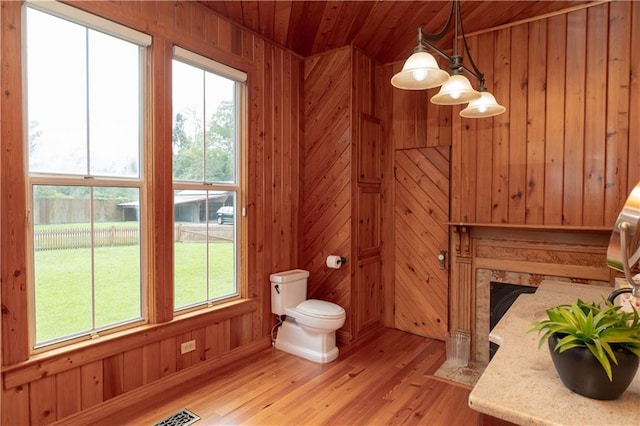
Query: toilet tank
(288,290)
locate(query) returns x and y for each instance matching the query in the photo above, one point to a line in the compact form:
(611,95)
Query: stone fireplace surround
(484,277)
(515,255)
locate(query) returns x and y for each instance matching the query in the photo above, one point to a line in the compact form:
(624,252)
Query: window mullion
(204,127)
(87,101)
(93,257)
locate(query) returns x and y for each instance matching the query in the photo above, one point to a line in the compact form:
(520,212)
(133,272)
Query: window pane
(57,93)
(83,99)
(62,270)
(87,272)
(114,105)
(204,110)
(204,246)
(221,127)
(188,113)
(222,241)
(116,256)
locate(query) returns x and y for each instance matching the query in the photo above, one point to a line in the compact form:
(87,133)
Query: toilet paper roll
(334,262)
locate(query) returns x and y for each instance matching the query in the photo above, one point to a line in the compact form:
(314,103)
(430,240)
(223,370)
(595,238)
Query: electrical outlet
(188,346)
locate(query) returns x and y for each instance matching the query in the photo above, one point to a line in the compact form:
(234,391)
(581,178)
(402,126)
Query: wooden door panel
(421,232)
(368,304)
(369,146)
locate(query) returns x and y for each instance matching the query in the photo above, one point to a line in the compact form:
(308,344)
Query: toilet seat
(320,309)
(318,315)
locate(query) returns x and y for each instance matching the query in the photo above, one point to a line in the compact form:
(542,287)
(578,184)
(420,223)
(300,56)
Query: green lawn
(63,284)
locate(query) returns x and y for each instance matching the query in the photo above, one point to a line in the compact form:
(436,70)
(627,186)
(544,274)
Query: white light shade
(420,71)
(457,90)
(485,106)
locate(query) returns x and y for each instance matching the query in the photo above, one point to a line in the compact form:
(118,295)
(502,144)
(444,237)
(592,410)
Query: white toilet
(309,330)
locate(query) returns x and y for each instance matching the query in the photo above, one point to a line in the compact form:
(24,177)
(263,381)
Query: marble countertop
(521,385)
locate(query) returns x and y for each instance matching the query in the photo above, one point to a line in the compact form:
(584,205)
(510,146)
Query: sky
(58,84)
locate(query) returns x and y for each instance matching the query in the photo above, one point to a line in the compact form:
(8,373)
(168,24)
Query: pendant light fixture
(421,72)
(484,106)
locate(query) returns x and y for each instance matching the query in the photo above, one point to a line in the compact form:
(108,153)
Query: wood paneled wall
(326,202)
(46,387)
(565,154)
(567,151)
(339,94)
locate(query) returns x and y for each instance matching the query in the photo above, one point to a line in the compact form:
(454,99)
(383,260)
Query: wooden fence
(80,237)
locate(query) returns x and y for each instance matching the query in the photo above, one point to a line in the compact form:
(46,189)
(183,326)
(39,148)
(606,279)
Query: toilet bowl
(309,328)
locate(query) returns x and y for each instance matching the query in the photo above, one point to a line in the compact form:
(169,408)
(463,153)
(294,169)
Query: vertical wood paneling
(68,393)
(617,141)
(183,360)
(13,219)
(500,165)
(519,82)
(484,141)
(151,362)
(256,190)
(42,401)
(91,384)
(595,116)
(574,119)
(15,405)
(199,336)
(634,103)
(269,183)
(168,362)
(468,148)
(562,153)
(554,149)
(133,369)
(457,192)
(113,376)
(536,102)
(277,195)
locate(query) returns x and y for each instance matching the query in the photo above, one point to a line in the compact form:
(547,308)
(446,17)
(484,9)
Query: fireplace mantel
(521,256)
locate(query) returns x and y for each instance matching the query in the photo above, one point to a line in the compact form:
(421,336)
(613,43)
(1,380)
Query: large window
(84,82)
(207,130)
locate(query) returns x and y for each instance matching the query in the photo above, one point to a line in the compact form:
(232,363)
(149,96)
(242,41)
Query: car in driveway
(225,214)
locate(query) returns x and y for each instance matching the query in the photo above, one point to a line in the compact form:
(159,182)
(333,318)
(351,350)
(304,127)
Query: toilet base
(316,347)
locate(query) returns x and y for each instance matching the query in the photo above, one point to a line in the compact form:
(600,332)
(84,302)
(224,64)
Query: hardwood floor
(385,379)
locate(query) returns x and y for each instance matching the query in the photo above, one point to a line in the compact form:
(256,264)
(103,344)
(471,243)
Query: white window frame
(240,78)
(143,40)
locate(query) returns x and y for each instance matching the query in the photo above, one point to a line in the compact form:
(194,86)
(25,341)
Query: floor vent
(181,418)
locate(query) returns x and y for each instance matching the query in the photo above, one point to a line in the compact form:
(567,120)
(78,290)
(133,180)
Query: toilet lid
(320,308)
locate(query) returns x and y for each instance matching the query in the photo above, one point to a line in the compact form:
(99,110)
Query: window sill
(77,354)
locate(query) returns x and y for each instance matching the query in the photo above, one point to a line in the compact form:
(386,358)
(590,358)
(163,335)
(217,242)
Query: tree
(197,152)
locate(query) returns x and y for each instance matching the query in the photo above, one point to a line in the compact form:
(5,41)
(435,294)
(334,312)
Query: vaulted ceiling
(385,30)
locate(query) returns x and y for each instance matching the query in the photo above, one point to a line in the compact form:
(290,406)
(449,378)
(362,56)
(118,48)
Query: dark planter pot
(581,372)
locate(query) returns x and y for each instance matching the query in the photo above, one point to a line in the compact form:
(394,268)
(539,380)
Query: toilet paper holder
(336,262)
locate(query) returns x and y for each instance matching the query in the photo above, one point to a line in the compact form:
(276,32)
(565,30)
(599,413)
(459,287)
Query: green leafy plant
(601,329)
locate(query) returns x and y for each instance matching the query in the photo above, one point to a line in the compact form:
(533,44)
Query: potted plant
(595,349)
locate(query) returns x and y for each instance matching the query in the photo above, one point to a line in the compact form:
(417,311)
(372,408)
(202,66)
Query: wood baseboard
(147,392)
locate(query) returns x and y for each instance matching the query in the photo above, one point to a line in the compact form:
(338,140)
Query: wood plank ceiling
(385,30)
